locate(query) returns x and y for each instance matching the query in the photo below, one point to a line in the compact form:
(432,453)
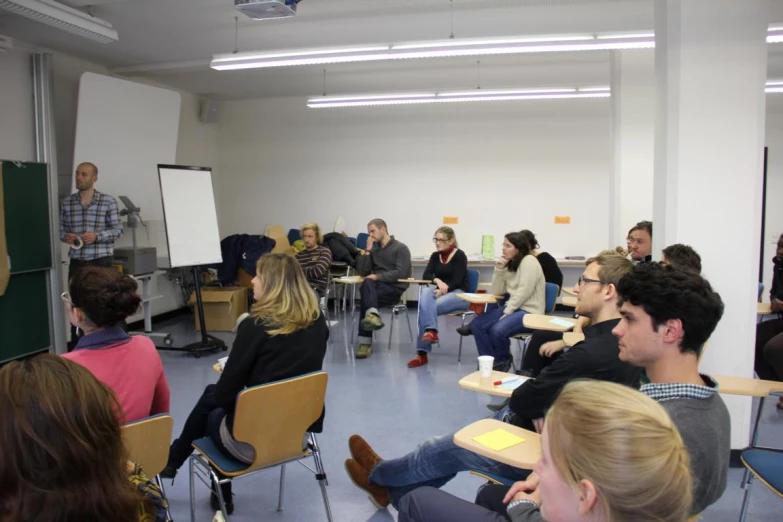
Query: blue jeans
(492,335)
(435,462)
(430,308)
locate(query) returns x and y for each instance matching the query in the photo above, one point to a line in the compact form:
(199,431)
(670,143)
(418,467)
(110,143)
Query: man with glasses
(438,460)
(640,242)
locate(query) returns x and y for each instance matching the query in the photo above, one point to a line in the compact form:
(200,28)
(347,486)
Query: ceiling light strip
(446,49)
(455,97)
(62,17)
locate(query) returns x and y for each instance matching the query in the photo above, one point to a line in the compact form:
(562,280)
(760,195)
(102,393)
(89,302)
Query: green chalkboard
(24,316)
(24,309)
(27,216)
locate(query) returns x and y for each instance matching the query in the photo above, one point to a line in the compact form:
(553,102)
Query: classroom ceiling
(182,35)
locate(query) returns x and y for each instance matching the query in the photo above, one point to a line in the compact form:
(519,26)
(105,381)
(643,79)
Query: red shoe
(430,337)
(419,360)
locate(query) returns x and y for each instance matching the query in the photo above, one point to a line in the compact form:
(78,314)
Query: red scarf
(444,255)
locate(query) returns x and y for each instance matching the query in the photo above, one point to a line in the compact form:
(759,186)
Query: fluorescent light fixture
(447,49)
(62,17)
(774,83)
(457,97)
(434,49)
(774,90)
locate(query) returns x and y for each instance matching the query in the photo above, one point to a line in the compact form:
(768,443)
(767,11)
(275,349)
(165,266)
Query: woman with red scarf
(448,270)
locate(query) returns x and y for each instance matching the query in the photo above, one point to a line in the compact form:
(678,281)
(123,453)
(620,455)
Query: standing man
(89,224)
(382,268)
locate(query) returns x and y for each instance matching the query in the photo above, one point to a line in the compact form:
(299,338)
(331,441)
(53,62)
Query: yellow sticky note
(562,220)
(450,220)
(498,440)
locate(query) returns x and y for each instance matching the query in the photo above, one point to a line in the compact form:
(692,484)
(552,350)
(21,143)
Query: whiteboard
(188,203)
(126,129)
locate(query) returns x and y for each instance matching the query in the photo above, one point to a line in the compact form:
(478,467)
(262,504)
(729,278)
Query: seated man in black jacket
(438,460)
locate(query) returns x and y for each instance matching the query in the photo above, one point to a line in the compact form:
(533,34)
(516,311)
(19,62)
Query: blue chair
(272,418)
(473,282)
(765,465)
(361,240)
(761,291)
(552,291)
(294,234)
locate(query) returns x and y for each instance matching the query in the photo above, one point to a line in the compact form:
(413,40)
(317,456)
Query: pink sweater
(134,371)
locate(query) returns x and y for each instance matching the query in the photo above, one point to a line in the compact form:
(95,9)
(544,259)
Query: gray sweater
(389,263)
(704,425)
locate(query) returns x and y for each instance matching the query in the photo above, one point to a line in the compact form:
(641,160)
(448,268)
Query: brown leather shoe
(378,495)
(363,453)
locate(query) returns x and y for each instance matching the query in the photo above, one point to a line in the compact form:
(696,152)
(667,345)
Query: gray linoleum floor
(394,408)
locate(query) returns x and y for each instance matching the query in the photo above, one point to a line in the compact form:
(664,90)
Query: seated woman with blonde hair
(63,458)
(284,336)
(609,454)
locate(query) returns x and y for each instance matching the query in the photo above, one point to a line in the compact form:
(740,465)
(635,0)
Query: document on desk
(561,322)
(498,439)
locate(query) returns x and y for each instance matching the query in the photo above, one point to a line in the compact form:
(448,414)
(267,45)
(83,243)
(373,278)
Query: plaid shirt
(668,391)
(101,216)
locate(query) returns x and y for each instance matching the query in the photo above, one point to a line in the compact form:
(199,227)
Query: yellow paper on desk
(498,440)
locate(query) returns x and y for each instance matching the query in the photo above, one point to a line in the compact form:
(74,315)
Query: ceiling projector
(266,9)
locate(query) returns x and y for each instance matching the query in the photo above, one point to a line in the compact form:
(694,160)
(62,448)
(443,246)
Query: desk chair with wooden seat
(273,418)
(552,291)
(767,466)
(147,441)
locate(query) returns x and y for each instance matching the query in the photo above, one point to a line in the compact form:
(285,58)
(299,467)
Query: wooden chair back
(147,441)
(274,417)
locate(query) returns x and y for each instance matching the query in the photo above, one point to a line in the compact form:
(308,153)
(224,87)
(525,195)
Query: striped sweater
(315,264)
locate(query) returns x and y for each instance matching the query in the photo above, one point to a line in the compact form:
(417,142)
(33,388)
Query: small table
(353,281)
(544,322)
(572,338)
(475,382)
(485,285)
(524,455)
(568,300)
(485,299)
(763,308)
(146,305)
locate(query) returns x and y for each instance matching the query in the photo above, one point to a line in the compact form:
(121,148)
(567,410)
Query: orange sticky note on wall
(562,220)
(450,220)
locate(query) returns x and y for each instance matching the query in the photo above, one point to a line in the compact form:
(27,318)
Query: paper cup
(485,365)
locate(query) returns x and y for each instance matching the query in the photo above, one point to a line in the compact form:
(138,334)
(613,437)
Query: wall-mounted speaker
(210,111)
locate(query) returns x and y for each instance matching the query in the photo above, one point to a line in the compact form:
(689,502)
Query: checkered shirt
(101,216)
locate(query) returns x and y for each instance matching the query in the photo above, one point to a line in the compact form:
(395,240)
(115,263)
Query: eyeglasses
(585,280)
(66,297)
(635,241)
(436,240)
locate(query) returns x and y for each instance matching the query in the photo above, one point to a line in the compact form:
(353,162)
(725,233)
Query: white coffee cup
(485,365)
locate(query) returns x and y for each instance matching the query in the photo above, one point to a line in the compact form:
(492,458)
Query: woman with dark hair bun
(98,302)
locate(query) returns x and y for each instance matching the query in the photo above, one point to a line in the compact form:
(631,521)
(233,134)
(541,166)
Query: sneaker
(497,407)
(430,337)
(503,365)
(378,495)
(168,472)
(464,330)
(364,351)
(372,322)
(419,360)
(362,453)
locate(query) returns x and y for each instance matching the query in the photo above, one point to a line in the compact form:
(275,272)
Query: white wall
(197,143)
(774,211)
(499,167)
(633,129)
